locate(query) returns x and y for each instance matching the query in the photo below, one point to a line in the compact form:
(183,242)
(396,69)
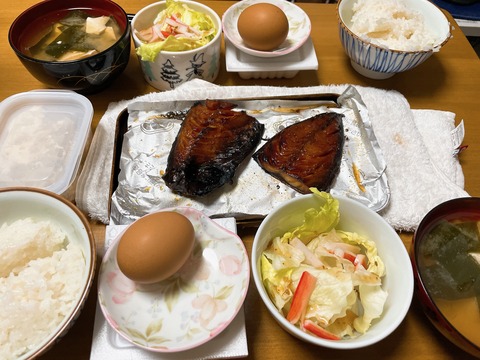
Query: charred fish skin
(306,154)
(212,142)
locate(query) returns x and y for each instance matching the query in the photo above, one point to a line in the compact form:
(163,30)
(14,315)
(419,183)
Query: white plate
(298,33)
(287,66)
(188,309)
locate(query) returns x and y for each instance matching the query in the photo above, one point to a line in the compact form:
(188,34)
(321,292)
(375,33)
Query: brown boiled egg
(155,246)
(263,26)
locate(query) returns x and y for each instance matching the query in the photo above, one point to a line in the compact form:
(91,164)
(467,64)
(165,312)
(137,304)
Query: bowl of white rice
(383,38)
(47,265)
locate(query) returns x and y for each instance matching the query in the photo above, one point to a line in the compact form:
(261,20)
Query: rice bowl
(51,259)
(376,60)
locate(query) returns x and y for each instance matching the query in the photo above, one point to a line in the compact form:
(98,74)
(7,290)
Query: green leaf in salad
(316,220)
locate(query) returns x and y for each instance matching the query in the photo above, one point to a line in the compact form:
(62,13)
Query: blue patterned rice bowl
(378,62)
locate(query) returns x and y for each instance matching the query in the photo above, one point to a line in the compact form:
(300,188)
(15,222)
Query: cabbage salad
(176,28)
(326,281)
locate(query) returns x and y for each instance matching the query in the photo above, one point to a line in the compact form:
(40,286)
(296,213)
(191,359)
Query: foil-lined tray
(146,130)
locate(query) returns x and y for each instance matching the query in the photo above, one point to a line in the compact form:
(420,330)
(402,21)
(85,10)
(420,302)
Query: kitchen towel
(418,145)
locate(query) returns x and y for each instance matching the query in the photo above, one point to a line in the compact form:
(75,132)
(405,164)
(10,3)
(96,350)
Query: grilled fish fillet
(305,154)
(211,143)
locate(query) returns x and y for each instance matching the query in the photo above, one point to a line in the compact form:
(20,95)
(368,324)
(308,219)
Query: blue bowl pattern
(377,59)
(379,62)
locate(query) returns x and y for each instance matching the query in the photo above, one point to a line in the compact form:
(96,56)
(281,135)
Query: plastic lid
(42,138)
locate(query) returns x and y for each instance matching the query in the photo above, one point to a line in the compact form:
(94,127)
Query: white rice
(40,281)
(393,25)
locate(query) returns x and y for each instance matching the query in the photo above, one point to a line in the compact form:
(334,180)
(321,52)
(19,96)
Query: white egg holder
(299,30)
(285,66)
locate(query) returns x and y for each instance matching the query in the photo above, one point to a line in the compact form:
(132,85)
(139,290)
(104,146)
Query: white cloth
(417,145)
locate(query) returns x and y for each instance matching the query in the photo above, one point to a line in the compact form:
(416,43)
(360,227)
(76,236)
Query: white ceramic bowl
(377,62)
(173,68)
(354,217)
(20,203)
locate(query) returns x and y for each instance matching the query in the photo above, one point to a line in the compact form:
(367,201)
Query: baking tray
(324,100)
(121,127)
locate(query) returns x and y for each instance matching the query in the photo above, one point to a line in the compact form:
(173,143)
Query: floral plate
(189,308)
(298,33)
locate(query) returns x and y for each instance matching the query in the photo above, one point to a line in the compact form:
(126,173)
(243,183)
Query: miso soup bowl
(444,309)
(380,62)
(171,69)
(88,75)
(354,217)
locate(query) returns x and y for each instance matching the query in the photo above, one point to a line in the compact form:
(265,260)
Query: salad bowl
(396,289)
(166,68)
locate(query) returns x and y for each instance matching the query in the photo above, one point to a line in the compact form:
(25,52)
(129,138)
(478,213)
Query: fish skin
(210,145)
(306,154)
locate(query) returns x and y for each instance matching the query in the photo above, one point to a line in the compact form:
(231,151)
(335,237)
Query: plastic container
(43,136)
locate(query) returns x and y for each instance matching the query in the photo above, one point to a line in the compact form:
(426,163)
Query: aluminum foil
(153,126)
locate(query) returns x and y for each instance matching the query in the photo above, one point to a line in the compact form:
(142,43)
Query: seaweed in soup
(70,37)
(451,267)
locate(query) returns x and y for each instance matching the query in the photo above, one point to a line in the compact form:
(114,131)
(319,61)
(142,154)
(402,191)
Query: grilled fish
(211,143)
(305,154)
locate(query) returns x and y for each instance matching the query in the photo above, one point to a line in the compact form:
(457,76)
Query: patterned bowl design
(377,62)
(170,69)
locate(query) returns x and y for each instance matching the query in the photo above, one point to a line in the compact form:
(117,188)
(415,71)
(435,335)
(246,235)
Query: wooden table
(449,80)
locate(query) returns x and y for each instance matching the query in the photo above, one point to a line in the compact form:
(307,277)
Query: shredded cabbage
(348,294)
(176,28)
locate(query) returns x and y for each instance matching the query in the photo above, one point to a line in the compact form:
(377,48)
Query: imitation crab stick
(302,294)
(319,331)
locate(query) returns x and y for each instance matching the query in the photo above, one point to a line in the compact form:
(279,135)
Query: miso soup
(74,36)
(449,264)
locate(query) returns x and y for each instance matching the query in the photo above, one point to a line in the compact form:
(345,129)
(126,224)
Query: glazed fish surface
(212,142)
(306,154)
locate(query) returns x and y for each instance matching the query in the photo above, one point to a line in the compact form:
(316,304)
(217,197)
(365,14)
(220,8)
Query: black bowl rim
(432,217)
(126,34)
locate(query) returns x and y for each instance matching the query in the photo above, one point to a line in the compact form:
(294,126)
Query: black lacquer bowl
(88,75)
(446,262)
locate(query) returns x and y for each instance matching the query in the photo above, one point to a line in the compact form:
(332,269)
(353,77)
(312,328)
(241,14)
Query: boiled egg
(155,246)
(263,26)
